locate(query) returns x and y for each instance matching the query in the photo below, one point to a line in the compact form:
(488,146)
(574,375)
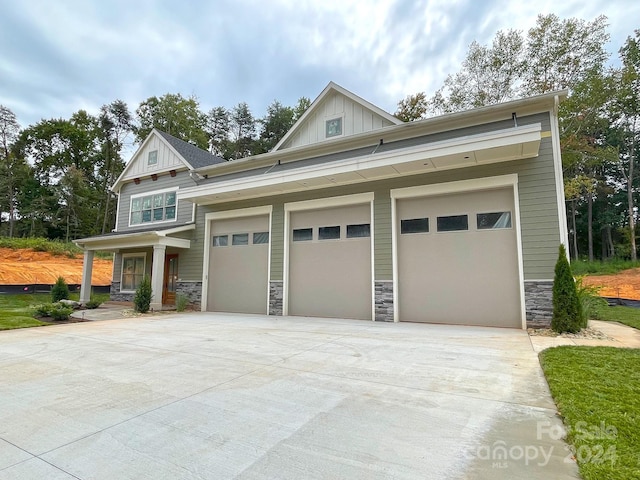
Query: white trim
(539,280)
(115,228)
(295,178)
(557,166)
(129,255)
(318,204)
(151,194)
(372,229)
(223,215)
(458,187)
(193,212)
(329,118)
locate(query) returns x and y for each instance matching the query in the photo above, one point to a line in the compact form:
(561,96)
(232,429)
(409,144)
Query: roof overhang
(497,146)
(136,240)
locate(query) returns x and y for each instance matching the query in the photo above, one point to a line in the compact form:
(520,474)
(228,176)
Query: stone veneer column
(275,297)
(384,301)
(538,297)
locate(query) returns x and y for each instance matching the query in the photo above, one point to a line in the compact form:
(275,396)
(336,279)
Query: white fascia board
(525,134)
(138,239)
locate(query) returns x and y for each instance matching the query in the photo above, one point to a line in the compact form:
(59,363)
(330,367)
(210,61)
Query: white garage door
(458,259)
(330,263)
(238,265)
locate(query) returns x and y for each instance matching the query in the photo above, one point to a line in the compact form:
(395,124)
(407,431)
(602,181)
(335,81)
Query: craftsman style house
(354,214)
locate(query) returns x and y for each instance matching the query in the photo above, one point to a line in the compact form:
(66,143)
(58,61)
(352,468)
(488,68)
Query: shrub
(567,311)
(60,312)
(142,299)
(42,310)
(181,302)
(589,300)
(93,303)
(60,290)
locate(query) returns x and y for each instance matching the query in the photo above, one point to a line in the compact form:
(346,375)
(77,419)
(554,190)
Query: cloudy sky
(59,56)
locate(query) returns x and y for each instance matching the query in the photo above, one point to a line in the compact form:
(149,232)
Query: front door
(170,280)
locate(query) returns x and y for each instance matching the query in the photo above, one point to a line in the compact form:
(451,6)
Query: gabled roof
(330,88)
(192,156)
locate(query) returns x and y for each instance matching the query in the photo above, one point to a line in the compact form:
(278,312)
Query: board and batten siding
(355,119)
(540,225)
(167,159)
(165,181)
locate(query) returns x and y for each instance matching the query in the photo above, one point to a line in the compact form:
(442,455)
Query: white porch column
(157,276)
(87,269)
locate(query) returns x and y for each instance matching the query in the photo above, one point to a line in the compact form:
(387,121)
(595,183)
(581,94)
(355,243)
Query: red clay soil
(625,284)
(27,267)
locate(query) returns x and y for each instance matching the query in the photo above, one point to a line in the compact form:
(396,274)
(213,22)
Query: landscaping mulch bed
(586,334)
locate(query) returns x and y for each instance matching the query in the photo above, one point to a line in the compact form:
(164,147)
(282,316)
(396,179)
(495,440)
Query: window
(489,221)
(132,272)
(329,233)
(240,239)
(453,223)
(157,207)
(152,159)
(302,234)
(414,225)
(334,127)
(220,240)
(359,231)
(260,238)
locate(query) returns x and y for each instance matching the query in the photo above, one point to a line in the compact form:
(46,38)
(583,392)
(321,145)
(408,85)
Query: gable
(166,159)
(347,113)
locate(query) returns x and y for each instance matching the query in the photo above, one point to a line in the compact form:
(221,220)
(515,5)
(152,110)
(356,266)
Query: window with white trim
(153,208)
(133,270)
(152,159)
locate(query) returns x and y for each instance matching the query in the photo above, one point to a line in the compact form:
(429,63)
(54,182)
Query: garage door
(330,262)
(238,265)
(458,259)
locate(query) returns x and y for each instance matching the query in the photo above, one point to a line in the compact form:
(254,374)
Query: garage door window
(453,223)
(490,221)
(260,238)
(240,239)
(359,231)
(329,233)
(414,225)
(220,240)
(302,234)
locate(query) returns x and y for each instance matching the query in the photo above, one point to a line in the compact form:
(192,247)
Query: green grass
(584,267)
(627,315)
(16,312)
(597,391)
(54,247)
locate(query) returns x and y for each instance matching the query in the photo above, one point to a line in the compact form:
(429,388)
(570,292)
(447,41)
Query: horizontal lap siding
(538,211)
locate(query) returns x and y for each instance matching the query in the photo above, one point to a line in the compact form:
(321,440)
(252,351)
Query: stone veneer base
(539,303)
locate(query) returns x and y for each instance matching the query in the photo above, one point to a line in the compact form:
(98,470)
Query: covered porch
(133,265)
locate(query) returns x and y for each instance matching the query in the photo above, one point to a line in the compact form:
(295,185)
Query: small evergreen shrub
(93,303)
(60,290)
(181,302)
(42,310)
(60,312)
(567,311)
(142,299)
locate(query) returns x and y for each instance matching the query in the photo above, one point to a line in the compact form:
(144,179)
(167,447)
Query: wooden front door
(170,279)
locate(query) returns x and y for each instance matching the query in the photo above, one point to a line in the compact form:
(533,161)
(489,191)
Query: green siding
(538,212)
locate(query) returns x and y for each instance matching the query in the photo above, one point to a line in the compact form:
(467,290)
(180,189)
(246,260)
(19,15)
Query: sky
(57,57)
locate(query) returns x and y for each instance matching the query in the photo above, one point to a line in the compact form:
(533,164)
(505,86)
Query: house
(354,214)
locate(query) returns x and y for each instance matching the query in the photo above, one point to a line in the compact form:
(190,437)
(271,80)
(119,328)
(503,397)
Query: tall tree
(175,115)
(218,127)
(12,171)
(242,128)
(413,107)
(301,106)
(275,125)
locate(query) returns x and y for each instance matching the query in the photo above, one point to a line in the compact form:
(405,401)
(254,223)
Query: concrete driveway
(215,396)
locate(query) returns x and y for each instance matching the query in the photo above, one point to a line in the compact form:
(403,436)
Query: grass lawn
(583,267)
(627,315)
(15,311)
(597,391)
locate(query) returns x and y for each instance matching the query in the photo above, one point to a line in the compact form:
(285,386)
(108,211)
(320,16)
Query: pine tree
(567,311)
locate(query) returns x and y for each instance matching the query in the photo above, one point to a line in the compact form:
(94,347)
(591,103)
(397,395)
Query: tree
(60,291)
(567,311)
(242,128)
(11,168)
(275,125)
(218,126)
(303,104)
(144,293)
(413,107)
(175,115)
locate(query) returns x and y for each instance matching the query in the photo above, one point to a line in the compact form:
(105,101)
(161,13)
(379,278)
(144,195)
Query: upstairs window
(333,127)
(152,159)
(152,208)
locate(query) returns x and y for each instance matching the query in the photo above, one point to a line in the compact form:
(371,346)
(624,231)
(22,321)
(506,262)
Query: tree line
(599,122)
(55,175)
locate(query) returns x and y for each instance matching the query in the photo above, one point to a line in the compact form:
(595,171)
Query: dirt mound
(625,284)
(27,267)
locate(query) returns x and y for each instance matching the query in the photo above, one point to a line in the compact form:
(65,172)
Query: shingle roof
(195,156)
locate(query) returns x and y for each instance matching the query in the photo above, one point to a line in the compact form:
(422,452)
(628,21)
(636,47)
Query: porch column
(157,276)
(87,269)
